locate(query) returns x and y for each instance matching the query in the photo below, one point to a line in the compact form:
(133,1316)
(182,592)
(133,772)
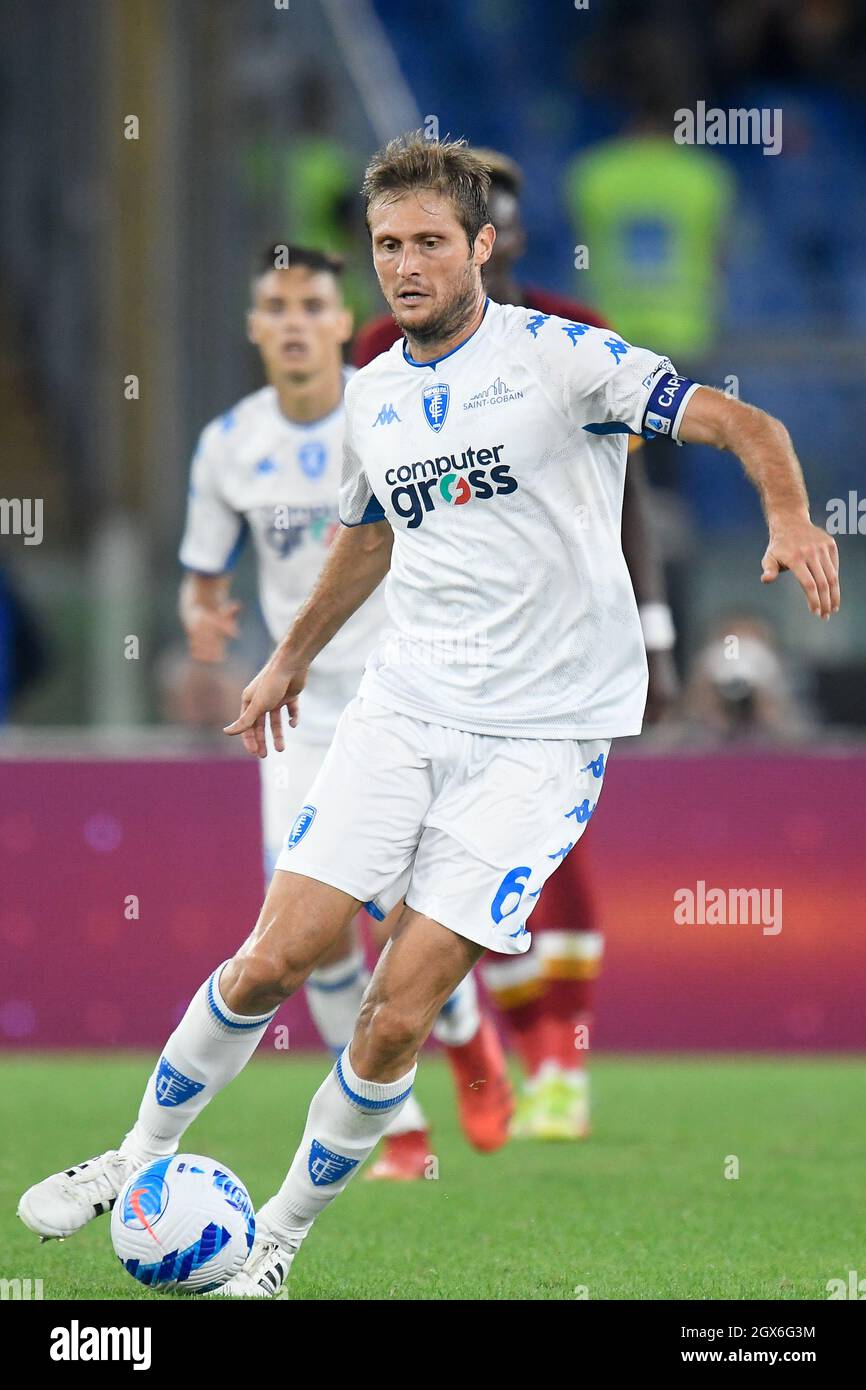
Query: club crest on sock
(326,1167)
(172,1087)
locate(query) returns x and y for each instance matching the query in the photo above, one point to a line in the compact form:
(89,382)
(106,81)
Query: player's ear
(484,244)
(252,332)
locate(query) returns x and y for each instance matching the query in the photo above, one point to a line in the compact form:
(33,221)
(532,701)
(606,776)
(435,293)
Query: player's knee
(261,979)
(386,1031)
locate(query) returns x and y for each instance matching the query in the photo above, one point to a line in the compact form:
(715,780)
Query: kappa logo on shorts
(303,820)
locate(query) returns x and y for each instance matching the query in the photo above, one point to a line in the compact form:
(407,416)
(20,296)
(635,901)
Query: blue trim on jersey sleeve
(410,361)
(665,403)
(372,512)
(205,574)
(230,560)
(611,427)
(234,553)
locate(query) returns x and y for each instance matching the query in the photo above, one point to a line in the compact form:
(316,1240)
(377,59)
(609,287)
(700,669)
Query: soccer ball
(184,1223)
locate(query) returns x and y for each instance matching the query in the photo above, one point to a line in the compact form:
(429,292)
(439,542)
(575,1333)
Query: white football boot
(60,1205)
(266,1269)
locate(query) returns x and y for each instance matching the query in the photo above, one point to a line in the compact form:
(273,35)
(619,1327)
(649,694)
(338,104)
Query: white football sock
(207,1049)
(346,1120)
(334,994)
(459,1018)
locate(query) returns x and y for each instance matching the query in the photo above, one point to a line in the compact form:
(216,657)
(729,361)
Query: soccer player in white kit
(270,467)
(475,752)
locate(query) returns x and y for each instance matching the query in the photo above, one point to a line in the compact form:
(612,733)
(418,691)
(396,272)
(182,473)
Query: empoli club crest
(435,399)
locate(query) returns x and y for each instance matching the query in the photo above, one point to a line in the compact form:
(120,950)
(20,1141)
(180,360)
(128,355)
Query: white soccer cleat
(60,1205)
(264,1274)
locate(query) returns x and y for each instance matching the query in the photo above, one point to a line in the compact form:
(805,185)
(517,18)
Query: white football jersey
(255,471)
(500,468)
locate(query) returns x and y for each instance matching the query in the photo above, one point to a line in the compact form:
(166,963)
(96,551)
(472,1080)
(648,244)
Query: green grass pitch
(642,1210)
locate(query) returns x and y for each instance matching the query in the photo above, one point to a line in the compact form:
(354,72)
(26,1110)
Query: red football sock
(516,988)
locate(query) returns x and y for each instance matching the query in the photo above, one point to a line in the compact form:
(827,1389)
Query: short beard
(447,322)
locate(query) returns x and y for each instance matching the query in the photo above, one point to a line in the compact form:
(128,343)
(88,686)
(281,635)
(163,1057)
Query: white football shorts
(286,777)
(467,827)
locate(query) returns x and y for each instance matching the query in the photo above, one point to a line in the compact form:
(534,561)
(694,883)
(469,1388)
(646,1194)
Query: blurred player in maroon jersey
(548,995)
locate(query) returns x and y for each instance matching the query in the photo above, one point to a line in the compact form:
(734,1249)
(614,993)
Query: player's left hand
(812,557)
(264,698)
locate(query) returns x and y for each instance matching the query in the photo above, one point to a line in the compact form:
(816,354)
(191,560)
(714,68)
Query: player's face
(299,323)
(427,272)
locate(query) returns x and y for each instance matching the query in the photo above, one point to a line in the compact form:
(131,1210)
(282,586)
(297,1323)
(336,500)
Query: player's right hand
(811,555)
(274,687)
(209,628)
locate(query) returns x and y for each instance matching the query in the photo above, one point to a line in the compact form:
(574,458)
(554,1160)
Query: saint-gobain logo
(303,820)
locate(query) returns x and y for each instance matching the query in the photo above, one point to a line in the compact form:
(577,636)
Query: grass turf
(642,1210)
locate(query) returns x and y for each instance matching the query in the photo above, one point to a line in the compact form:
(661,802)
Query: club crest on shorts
(303,820)
(435,399)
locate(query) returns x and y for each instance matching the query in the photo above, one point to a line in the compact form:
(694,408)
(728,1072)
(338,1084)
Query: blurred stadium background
(124,257)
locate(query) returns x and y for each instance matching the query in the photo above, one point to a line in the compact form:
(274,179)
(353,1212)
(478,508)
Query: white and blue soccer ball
(183,1223)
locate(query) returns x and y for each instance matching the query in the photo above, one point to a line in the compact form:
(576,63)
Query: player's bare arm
(358,561)
(208,615)
(763,446)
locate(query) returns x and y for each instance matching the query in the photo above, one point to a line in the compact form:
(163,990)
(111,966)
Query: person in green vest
(653,216)
(315,180)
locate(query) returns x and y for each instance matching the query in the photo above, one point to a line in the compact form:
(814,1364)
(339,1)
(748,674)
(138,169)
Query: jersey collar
(434,361)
